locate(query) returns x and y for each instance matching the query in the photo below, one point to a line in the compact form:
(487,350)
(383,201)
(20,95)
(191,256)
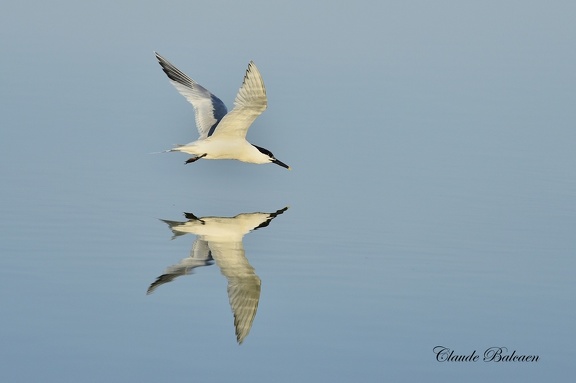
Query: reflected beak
(278,162)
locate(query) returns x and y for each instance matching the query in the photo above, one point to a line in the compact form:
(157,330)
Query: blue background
(432,197)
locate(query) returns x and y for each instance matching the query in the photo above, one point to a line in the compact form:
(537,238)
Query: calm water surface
(432,200)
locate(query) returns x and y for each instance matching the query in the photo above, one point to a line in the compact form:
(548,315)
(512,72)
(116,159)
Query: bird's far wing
(199,256)
(250,102)
(200,251)
(209,108)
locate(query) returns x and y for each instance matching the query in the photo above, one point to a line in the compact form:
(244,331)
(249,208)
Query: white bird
(223,134)
(220,239)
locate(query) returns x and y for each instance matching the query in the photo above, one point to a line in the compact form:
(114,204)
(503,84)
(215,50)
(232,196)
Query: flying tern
(223,133)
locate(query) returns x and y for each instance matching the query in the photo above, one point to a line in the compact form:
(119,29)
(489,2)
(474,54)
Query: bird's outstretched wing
(243,284)
(244,295)
(250,102)
(209,108)
(199,256)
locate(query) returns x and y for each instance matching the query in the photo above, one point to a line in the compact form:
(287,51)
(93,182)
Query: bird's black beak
(278,162)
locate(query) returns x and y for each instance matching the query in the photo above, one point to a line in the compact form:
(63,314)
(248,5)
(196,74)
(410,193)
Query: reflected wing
(201,251)
(243,284)
(199,256)
(209,108)
(250,102)
(244,295)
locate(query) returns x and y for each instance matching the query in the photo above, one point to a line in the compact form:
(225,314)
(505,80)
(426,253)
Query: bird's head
(270,157)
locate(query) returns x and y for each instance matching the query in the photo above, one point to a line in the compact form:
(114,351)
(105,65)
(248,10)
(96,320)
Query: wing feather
(250,102)
(243,284)
(209,108)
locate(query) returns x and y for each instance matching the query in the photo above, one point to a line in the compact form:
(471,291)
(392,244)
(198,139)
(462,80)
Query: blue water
(432,200)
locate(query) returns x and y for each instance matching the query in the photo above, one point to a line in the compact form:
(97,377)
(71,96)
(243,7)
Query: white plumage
(220,239)
(223,134)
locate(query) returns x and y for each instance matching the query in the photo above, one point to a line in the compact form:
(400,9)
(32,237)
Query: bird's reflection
(220,239)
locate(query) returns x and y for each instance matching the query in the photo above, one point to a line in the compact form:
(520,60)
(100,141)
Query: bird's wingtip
(252,64)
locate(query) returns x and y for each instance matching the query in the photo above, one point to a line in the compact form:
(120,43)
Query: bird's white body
(231,148)
(220,239)
(221,229)
(223,133)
